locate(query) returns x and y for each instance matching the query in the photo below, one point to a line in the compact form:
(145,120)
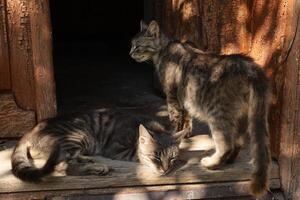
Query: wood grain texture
(229,191)
(4,56)
(45,96)
(191,180)
(256,28)
(209,191)
(290,133)
(20,51)
(13,120)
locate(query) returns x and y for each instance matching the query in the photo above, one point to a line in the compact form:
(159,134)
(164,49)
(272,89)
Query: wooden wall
(252,27)
(25,65)
(289,158)
(268,31)
(5,83)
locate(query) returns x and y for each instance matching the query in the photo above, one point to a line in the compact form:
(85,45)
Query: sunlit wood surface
(131,178)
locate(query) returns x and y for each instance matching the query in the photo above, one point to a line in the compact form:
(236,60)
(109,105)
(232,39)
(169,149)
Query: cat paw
(86,159)
(188,134)
(97,169)
(210,162)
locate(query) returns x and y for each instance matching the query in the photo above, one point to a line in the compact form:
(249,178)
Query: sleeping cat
(229,92)
(109,133)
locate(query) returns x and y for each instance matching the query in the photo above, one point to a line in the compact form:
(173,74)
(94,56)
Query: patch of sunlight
(7,180)
(197,143)
(5,166)
(189,11)
(230,48)
(162,114)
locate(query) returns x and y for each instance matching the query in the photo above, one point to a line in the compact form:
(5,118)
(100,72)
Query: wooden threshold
(14,121)
(129,180)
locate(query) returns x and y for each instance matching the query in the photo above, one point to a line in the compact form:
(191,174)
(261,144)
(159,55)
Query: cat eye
(157,158)
(173,159)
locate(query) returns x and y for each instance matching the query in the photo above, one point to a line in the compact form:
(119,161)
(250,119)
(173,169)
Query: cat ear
(153,29)
(143,25)
(144,136)
(180,135)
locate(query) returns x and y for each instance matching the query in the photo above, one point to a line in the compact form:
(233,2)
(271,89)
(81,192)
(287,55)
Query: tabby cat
(109,133)
(229,92)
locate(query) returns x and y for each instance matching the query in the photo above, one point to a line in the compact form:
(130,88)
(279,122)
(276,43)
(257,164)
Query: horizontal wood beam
(13,120)
(224,190)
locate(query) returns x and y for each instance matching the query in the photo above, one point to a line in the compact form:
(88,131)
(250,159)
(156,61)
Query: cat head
(147,42)
(159,151)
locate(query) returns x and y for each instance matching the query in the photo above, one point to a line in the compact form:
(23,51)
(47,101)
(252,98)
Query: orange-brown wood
(290,133)
(41,38)
(20,51)
(26,67)
(4,57)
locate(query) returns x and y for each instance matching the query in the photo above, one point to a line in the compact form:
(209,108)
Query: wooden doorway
(91,62)
(26,70)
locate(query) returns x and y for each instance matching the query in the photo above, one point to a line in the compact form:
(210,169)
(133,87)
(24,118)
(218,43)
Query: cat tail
(258,130)
(23,167)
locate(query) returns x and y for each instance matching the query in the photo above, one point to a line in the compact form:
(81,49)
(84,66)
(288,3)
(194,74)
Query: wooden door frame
(289,157)
(26,40)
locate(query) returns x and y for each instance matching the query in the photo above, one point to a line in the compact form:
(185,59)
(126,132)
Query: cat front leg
(188,124)
(81,169)
(86,159)
(81,165)
(176,114)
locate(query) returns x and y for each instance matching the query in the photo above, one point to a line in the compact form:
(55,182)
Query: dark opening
(91,61)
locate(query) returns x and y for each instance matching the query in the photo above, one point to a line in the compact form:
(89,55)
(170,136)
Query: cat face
(159,151)
(146,43)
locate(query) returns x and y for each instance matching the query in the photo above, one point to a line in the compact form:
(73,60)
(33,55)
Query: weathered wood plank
(130,174)
(41,38)
(289,158)
(228,190)
(13,120)
(124,178)
(4,56)
(20,51)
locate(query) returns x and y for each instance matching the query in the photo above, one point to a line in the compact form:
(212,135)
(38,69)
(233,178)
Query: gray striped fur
(229,92)
(110,133)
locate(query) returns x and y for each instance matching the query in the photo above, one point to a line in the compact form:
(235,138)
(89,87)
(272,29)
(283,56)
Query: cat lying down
(108,133)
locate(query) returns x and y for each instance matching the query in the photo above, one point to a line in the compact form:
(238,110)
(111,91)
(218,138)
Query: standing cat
(110,133)
(229,92)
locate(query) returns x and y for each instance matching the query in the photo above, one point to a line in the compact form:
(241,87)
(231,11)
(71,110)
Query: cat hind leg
(223,136)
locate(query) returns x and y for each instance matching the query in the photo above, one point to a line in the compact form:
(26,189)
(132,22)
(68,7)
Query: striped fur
(109,133)
(229,92)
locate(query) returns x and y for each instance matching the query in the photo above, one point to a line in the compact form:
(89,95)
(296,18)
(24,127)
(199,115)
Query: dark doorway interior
(91,61)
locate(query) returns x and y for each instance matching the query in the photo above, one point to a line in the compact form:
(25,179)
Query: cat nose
(165,167)
(131,51)
(166,171)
